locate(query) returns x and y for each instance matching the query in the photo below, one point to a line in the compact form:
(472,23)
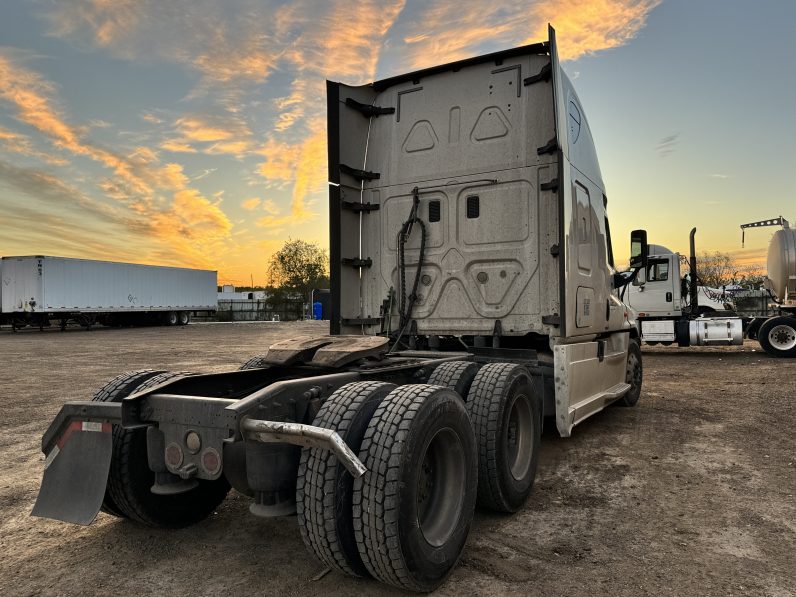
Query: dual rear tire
(430,456)
(405,521)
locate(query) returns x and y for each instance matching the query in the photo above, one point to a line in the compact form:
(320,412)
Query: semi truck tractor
(673,309)
(39,290)
(473,294)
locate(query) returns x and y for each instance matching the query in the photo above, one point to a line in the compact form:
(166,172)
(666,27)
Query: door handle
(668,297)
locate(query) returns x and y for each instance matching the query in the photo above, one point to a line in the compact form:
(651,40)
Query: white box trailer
(38,289)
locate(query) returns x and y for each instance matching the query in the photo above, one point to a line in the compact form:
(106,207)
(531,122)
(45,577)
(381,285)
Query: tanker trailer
(777,334)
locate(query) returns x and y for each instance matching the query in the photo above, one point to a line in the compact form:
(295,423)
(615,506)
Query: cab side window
(658,271)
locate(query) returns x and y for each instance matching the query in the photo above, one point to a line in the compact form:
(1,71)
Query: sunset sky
(192,132)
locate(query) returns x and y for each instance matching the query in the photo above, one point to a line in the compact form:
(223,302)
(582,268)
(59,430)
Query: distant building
(228,293)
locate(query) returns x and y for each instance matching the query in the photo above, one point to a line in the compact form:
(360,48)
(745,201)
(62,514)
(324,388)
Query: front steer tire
(324,491)
(634,375)
(414,505)
(506,415)
(130,480)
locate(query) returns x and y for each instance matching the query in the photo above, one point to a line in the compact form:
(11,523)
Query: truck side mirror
(639,250)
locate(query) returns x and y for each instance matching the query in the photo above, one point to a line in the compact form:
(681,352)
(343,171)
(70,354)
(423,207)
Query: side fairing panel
(589,305)
(347,137)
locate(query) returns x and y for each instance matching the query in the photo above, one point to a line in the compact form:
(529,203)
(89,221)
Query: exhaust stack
(693,289)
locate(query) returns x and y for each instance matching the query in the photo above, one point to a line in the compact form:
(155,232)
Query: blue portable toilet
(317,310)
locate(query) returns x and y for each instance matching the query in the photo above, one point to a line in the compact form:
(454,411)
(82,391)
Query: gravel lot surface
(692,492)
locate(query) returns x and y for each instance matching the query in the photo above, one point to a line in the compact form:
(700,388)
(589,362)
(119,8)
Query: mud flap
(76,473)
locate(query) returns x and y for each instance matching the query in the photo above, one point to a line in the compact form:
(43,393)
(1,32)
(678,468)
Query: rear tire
(506,415)
(172,318)
(414,505)
(115,390)
(324,491)
(634,375)
(777,336)
(184,318)
(256,362)
(130,480)
(456,375)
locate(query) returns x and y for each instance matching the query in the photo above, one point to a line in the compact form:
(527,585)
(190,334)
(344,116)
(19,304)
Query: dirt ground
(689,493)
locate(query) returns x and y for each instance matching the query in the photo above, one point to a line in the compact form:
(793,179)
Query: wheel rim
(782,337)
(519,437)
(441,487)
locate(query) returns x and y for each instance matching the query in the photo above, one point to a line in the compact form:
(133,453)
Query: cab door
(658,292)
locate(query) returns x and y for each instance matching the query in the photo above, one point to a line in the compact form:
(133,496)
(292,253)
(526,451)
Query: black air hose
(406,304)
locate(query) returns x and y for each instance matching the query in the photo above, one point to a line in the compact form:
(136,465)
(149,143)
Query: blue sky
(193,133)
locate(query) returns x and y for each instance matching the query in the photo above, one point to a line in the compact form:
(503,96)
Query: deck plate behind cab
(325,351)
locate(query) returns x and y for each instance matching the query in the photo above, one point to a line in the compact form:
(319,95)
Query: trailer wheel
(506,415)
(184,318)
(256,362)
(634,375)
(325,488)
(777,336)
(456,375)
(130,481)
(171,318)
(414,505)
(115,390)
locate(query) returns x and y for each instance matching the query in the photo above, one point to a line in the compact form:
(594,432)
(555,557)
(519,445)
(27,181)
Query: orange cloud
(177,147)
(159,193)
(587,26)
(28,92)
(21,144)
(251,204)
(450,30)
(194,128)
(210,134)
(303,163)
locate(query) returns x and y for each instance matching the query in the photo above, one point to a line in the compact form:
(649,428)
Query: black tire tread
(317,478)
(631,398)
(120,485)
(376,504)
(485,414)
(255,362)
(115,390)
(762,336)
(456,375)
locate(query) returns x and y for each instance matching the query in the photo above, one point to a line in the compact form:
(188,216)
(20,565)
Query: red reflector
(211,461)
(76,426)
(174,455)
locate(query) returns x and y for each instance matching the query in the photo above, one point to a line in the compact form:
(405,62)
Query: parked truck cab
(473,294)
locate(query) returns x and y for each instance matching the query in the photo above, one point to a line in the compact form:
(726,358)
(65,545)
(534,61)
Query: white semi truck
(473,293)
(38,290)
(671,308)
